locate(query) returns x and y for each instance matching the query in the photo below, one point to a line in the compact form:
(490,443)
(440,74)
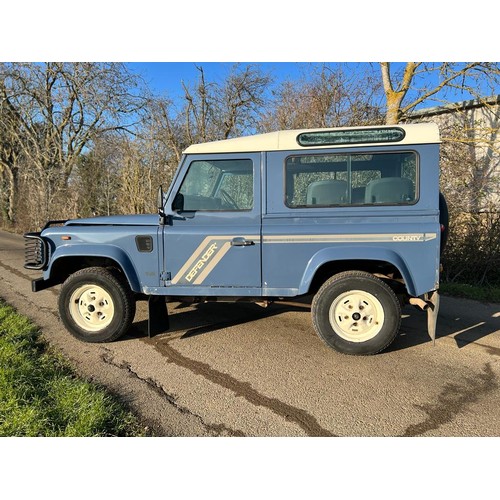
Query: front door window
(218,185)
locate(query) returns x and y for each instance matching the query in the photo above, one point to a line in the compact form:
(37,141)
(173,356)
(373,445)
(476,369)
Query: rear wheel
(96,305)
(356,313)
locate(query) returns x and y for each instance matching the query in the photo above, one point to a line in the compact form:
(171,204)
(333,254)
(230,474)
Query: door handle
(241,242)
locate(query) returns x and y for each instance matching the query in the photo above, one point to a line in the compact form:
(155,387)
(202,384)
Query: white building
(475,124)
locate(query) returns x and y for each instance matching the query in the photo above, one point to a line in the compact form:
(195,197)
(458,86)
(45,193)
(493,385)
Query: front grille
(35,251)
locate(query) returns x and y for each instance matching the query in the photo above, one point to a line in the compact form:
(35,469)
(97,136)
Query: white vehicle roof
(416,133)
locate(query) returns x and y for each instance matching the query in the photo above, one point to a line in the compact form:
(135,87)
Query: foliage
(41,396)
(481,293)
(472,254)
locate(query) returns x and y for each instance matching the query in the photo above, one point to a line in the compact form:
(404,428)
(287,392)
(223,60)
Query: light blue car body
(270,250)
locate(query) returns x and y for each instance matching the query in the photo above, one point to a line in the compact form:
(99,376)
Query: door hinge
(166,277)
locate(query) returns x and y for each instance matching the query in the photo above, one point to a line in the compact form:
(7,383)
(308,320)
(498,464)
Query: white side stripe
(351,238)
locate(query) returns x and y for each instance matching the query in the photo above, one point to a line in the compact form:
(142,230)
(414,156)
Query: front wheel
(96,305)
(355,312)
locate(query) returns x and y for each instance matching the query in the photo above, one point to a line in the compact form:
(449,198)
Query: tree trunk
(10,174)
(395,96)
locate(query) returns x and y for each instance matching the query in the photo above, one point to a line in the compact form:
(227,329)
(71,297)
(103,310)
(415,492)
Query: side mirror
(159,202)
(178,203)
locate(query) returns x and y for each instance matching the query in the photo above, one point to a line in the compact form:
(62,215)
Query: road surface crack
(45,309)
(214,429)
(243,389)
(19,274)
(454,399)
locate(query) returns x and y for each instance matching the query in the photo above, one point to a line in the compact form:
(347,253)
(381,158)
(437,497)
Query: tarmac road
(241,370)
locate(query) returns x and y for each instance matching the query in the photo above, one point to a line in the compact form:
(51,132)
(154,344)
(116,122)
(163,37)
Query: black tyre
(355,312)
(96,305)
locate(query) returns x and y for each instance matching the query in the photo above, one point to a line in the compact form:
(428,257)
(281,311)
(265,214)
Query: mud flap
(157,315)
(432,314)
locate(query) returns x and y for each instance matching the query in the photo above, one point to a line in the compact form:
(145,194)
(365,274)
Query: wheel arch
(72,259)
(330,261)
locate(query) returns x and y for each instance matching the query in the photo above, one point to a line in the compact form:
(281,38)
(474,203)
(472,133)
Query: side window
(353,179)
(217,185)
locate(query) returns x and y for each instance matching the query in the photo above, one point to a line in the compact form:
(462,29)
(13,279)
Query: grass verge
(484,294)
(40,395)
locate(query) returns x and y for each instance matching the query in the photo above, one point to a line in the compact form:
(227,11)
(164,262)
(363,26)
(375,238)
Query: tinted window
(352,179)
(331,137)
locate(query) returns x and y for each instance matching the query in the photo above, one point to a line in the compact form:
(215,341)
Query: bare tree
(240,100)
(326,97)
(209,110)
(53,111)
(219,110)
(96,178)
(9,168)
(417,82)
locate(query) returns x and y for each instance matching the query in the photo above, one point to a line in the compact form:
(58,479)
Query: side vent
(144,243)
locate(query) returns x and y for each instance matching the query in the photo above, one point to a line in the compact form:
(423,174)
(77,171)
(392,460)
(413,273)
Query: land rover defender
(352,217)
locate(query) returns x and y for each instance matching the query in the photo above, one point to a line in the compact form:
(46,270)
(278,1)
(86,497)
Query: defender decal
(199,265)
(204,259)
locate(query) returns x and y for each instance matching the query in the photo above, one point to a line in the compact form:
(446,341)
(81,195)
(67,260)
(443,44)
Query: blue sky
(166,77)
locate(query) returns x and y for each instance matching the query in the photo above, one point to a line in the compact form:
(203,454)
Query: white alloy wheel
(356,316)
(91,307)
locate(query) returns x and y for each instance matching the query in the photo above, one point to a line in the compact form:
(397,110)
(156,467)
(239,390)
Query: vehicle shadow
(465,331)
(203,318)
(192,320)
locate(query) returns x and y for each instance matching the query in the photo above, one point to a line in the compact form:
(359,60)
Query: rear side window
(351,179)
